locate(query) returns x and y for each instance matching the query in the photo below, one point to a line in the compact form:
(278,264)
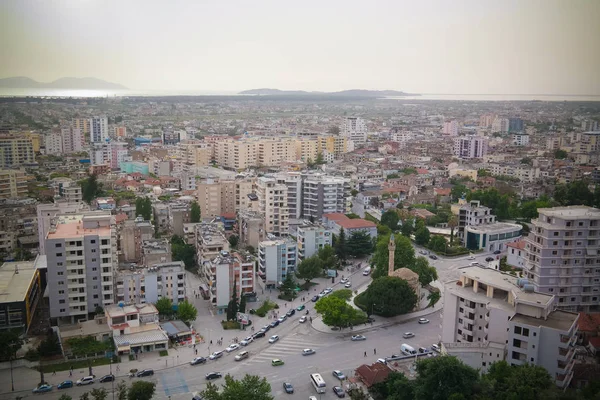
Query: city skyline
(464,47)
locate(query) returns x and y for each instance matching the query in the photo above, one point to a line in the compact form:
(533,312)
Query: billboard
(243,318)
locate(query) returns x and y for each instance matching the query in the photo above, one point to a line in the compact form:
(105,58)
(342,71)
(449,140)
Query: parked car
(232,347)
(241,355)
(436,347)
(266,328)
(382,361)
(344,280)
(315,299)
(339,392)
(408,335)
(213,375)
(497,252)
(302,319)
(488,259)
(423,252)
(275,362)
(273,339)
(274,323)
(423,350)
(88,380)
(471,257)
(216,354)
(145,372)
(348,285)
(258,335)
(247,341)
(357,338)
(290,312)
(433,257)
(423,321)
(65,385)
(282,319)
(339,375)
(107,378)
(289,389)
(198,360)
(327,290)
(300,307)
(43,388)
(307,352)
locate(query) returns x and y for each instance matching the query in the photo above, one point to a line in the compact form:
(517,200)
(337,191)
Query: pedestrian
(374,351)
(194,345)
(365,353)
(118,368)
(70,372)
(54,373)
(196,351)
(211,342)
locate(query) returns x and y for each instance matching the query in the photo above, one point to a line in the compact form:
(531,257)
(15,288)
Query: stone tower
(392,250)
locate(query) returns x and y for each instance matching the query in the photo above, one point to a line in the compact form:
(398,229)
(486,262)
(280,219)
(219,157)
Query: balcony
(565,355)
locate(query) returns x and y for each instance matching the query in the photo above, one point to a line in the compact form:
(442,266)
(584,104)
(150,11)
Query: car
(265,328)
(282,319)
(232,347)
(471,257)
(274,323)
(488,259)
(357,338)
(276,361)
(423,350)
(408,335)
(247,341)
(213,375)
(198,360)
(289,389)
(497,252)
(394,357)
(241,355)
(423,252)
(328,290)
(339,374)
(107,378)
(43,388)
(145,372)
(423,321)
(312,398)
(290,312)
(348,285)
(196,396)
(258,335)
(382,361)
(436,347)
(315,299)
(307,352)
(273,339)
(302,319)
(339,392)
(65,385)
(300,307)
(216,354)
(433,257)
(344,280)
(88,380)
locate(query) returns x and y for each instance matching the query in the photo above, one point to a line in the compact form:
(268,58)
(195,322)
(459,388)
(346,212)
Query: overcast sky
(437,46)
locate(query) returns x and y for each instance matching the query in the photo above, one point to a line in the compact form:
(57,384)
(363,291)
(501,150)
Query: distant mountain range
(22,82)
(343,93)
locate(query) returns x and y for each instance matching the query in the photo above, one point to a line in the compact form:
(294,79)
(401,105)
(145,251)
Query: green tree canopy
(390,219)
(404,256)
(249,387)
(310,268)
(195,214)
(288,285)
(90,188)
(396,387)
(360,244)
(427,273)
(437,243)
(99,393)
(10,343)
(242,305)
(233,305)
(422,236)
(186,311)
(560,154)
(407,227)
(389,296)
(445,376)
(337,312)
(341,246)
(141,390)
(182,251)
(143,208)
(327,256)
(574,193)
(519,382)
(233,241)
(164,305)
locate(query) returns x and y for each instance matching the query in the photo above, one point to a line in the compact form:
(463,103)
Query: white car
(273,339)
(423,321)
(339,374)
(88,380)
(307,352)
(408,335)
(232,347)
(247,341)
(348,285)
(471,257)
(357,338)
(344,280)
(328,290)
(241,355)
(436,347)
(216,354)
(382,360)
(282,318)
(302,319)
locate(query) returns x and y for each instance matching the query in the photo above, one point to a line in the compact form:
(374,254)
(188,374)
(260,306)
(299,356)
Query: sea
(78,93)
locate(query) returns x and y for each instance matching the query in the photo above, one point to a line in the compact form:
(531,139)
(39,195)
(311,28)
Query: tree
(90,188)
(99,394)
(319,160)
(233,306)
(442,377)
(360,244)
(390,219)
(51,345)
(438,244)
(233,241)
(341,246)
(395,387)
(408,226)
(518,382)
(574,193)
(10,343)
(452,224)
(65,396)
(354,192)
(344,294)
(288,285)
(186,311)
(143,208)
(422,236)
(357,394)
(427,273)
(85,396)
(141,390)
(182,251)
(337,312)
(164,305)
(334,130)
(374,202)
(327,256)
(310,268)
(458,191)
(389,296)
(560,154)
(404,256)
(98,310)
(242,306)
(195,212)
(249,387)
(121,391)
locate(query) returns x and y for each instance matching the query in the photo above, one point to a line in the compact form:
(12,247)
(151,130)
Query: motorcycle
(306,312)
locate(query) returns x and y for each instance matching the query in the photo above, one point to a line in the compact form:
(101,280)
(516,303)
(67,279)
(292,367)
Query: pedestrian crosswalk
(289,345)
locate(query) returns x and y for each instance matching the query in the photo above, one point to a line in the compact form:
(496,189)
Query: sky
(418,46)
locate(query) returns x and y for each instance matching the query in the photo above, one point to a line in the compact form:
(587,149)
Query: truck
(408,350)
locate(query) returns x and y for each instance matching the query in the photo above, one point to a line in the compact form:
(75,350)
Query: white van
(367,271)
(407,350)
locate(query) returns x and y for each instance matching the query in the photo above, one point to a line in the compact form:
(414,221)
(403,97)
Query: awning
(123,348)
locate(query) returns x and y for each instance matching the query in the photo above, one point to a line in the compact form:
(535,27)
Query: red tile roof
(335,216)
(372,374)
(589,322)
(355,223)
(442,191)
(517,245)
(422,171)
(120,218)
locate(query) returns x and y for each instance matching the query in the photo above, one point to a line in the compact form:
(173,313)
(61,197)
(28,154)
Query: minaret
(392,250)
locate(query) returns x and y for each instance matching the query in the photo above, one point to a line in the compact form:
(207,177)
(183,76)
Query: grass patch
(163,353)
(78,364)
(265,308)
(359,302)
(344,294)
(230,324)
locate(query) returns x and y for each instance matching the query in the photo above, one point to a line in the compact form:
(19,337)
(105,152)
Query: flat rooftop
(559,320)
(571,212)
(495,227)
(14,286)
(71,227)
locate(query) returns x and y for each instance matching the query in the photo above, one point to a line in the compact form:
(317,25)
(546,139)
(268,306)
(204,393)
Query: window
(59,273)
(93,241)
(59,255)
(61,292)
(93,250)
(62,310)
(61,282)
(518,330)
(57,245)
(59,264)
(555,233)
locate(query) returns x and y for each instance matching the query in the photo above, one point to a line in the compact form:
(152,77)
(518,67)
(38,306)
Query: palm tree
(452,223)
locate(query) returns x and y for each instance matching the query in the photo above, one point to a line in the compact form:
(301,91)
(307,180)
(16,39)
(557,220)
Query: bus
(318,382)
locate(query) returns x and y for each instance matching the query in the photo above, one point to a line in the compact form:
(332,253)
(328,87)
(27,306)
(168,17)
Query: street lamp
(113,379)
(12,382)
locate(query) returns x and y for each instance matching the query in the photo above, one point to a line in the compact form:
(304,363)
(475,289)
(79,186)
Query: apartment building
(274,152)
(323,194)
(210,241)
(293,182)
(471,214)
(53,142)
(221,197)
(15,151)
(21,292)
(251,225)
(46,213)
(195,154)
(160,213)
(100,154)
(276,259)
(226,271)
(355,129)
(311,238)
(520,139)
(98,128)
(120,131)
(470,146)
(477,308)
(131,236)
(19,225)
(272,203)
(500,125)
(13,183)
(236,154)
(335,146)
(562,256)
(450,128)
(67,189)
(307,149)
(118,154)
(148,285)
(179,214)
(155,251)
(83,124)
(524,173)
(81,254)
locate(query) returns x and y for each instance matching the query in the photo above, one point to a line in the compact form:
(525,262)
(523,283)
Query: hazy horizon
(436,46)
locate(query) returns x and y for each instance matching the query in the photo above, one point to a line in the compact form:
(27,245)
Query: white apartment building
(524,173)
(69,190)
(323,194)
(73,140)
(98,129)
(562,256)
(520,139)
(401,136)
(450,128)
(276,259)
(223,271)
(100,154)
(48,211)
(293,181)
(81,254)
(310,239)
(470,146)
(474,329)
(471,214)
(272,203)
(148,285)
(355,129)
(53,142)
(500,125)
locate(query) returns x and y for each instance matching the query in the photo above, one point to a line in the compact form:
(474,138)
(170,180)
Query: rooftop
(589,322)
(495,227)
(355,223)
(517,245)
(71,226)
(140,338)
(14,286)
(571,212)
(559,320)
